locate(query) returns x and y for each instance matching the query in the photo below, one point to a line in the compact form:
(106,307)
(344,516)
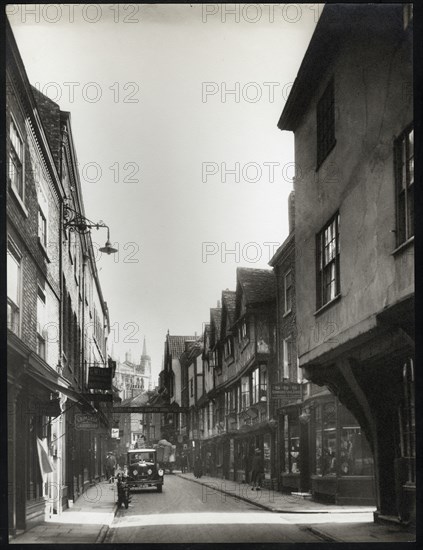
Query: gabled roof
(177,345)
(258,285)
(338,22)
(137,400)
(286,248)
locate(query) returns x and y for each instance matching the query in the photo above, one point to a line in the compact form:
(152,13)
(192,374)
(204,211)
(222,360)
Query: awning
(53,386)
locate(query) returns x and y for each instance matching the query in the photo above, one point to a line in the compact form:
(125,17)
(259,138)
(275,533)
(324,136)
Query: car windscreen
(141,456)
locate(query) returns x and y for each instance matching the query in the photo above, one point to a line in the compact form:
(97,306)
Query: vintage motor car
(142,470)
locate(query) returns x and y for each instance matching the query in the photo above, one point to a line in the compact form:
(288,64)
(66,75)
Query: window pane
(12,278)
(41,316)
(355,454)
(403,164)
(411,143)
(410,206)
(401,218)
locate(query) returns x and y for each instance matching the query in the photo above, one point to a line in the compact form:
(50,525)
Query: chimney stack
(291,211)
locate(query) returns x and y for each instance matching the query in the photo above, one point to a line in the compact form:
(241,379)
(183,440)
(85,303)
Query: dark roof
(194,350)
(229,302)
(258,285)
(177,345)
(285,248)
(137,400)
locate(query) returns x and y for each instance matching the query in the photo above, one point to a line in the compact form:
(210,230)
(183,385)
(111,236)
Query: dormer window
(244,329)
(229,347)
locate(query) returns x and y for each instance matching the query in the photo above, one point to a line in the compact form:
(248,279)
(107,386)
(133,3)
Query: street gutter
(106,528)
(276,510)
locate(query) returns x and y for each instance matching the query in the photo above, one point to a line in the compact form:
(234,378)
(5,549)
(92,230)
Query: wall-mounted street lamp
(77,222)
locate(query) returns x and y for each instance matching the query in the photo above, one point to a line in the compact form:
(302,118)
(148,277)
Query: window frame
(286,355)
(285,288)
(325,123)
(322,269)
(15,308)
(229,347)
(42,227)
(404,228)
(41,331)
(14,154)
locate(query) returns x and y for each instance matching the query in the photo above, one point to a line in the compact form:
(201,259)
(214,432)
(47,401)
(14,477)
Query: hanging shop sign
(286,391)
(51,408)
(100,378)
(115,433)
(86,422)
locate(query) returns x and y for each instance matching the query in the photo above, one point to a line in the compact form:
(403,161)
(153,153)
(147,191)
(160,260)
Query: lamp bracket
(75,221)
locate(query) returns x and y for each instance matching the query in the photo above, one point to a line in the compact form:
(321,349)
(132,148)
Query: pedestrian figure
(257,470)
(184,463)
(198,467)
(110,466)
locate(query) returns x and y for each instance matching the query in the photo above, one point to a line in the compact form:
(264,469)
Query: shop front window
(325,439)
(292,445)
(267,455)
(355,457)
(407,421)
(329,439)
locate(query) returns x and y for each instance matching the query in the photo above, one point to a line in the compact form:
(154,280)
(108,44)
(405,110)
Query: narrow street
(187,512)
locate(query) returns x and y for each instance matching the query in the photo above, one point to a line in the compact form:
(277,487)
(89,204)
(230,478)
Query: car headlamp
(149,471)
(160,472)
(135,472)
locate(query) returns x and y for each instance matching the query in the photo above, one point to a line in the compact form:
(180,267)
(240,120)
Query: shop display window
(340,451)
(355,456)
(267,455)
(292,445)
(329,439)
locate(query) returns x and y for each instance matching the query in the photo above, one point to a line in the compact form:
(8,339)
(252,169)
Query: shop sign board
(100,378)
(86,422)
(286,391)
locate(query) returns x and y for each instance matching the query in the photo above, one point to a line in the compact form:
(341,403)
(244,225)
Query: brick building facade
(56,315)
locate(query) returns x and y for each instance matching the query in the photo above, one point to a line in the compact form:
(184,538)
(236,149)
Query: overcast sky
(155,125)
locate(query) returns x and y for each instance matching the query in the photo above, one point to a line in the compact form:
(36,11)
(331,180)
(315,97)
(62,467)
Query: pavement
(88,521)
(334,530)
